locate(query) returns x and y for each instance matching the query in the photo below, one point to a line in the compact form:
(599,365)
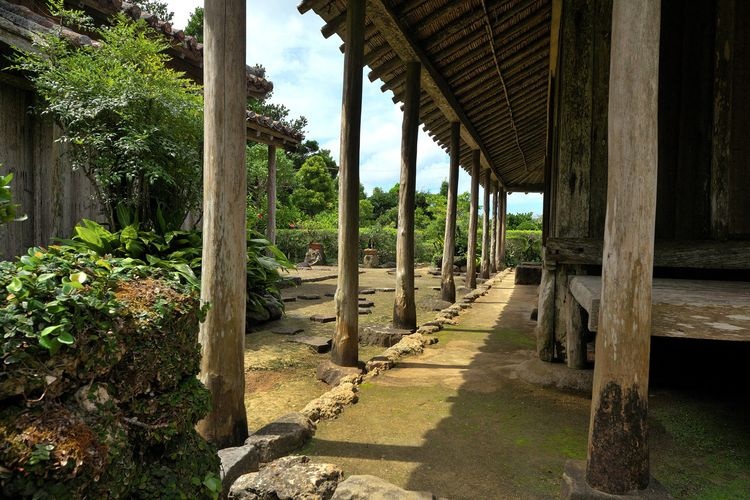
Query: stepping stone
(322,318)
(318,344)
(363,299)
(364,310)
(417,275)
(367,303)
(287,330)
(437,288)
(385,289)
(330,294)
(416,288)
(367,291)
(384,336)
(308,297)
(289,299)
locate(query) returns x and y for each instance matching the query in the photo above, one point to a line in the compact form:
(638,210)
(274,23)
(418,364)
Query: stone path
(456,420)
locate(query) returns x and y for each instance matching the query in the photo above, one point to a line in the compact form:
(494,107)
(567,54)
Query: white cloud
(307,71)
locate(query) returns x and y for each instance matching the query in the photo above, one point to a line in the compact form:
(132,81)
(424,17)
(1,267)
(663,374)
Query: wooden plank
(697,309)
(223,279)
(704,254)
(404,306)
(344,351)
(471,252)
(618,456)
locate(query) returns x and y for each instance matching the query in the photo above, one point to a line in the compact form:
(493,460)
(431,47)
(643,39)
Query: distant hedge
(521,246)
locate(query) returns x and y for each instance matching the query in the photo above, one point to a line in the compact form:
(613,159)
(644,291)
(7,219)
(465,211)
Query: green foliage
(106,405)
(522,246)
(524,222)
(8,209)
(315,189)
(195,24)
(131,124)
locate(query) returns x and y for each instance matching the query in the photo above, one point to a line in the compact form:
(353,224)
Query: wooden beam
(404,306)
(396,32)
(333,25)
(344,351)
(618,457)
(447,284)
(271,195)
(493,228)
(224,273)
(471,253)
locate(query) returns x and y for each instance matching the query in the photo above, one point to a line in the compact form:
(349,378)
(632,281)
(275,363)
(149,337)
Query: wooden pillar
(447,285)
(493,228)
(486,230)
(222,334)
(271,195)
(471,252)
(618,457)
(344,351)
(545,324)
(501,230)
(404,306)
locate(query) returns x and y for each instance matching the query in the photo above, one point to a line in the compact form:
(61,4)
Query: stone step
(317,343)
(287,330)
(311,296)
(323,318)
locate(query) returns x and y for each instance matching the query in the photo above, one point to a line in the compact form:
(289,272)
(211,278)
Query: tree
(315,189)
(524,221)
(160,9)
(194,26)
(132,125)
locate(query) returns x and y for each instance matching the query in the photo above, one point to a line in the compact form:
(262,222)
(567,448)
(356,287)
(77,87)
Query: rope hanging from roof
(490,34)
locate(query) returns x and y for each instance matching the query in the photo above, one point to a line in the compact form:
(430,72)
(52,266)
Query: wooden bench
(697,309)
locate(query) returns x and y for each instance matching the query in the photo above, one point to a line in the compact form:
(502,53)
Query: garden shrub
(98,380)
(522,246)
(8,209)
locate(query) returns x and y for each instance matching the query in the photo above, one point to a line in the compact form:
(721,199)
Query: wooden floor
(714,310)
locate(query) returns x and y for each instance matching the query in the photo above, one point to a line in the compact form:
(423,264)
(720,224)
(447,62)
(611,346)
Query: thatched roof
(485,64)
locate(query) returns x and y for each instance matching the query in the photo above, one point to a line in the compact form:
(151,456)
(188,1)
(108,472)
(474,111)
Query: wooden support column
(486,230)
(224,274)
(545,324)
(271,195)
(618,457)
(447,285)
(501,214)
(404,306)
(493,228)
(471,252)
(344,351)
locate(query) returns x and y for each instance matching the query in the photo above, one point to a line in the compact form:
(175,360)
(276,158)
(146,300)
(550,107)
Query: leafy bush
(522,246)
(8,209)
(98,384)
(131,124)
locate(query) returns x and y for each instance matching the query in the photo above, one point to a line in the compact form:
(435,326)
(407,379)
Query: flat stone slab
(330,294)
(288,477)
(437,288)
(364,310)
(318,344)
(528,274)
(289,299)
(235,462)
(308,297)
(367,291)
(287,330)
(365,487)
(282,436)
(385,289)
(366,303)
(323,318)
(575,487)
(331,373)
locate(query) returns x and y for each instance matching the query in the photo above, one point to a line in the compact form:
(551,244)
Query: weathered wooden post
(618,456)
(493,228)
(222,334)
(447,285)
(344,351)
(485,268)
(271,194)
(404,306)
(500,227)
(471,252)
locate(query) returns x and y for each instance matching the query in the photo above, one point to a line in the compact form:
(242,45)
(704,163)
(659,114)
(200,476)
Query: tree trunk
(222,334)
(404,306)
(344,351)
(271,195)
(471,252)
(618,457)
(486,229)
(447,285)
(493,229)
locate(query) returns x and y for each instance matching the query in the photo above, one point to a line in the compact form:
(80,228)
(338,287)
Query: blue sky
(307,70)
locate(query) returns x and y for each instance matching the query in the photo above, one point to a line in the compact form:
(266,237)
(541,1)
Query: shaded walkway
(455,421)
